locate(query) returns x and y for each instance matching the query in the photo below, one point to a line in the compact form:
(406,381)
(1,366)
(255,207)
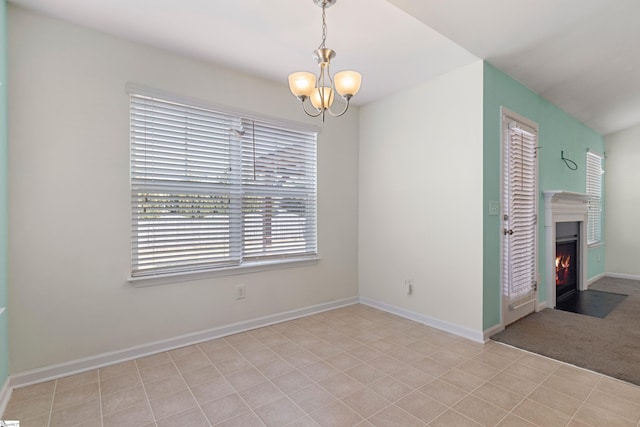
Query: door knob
(509,232)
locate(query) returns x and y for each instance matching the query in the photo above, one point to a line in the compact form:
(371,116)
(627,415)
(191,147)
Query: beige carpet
(610,345)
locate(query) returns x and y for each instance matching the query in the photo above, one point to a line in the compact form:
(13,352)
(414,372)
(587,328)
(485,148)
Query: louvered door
(519,200)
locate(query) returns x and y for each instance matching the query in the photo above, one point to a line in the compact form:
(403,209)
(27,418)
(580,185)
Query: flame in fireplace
(563,262)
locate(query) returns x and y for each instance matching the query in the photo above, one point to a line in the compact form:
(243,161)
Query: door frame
(535,304)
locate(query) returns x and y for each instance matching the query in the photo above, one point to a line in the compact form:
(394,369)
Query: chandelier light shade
(320,90)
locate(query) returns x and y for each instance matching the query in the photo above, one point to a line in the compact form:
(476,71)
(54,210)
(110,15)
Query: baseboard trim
(541,306)
(86,364)
(426,320)
(623,276)
(488,333)
(5,395)
(595,278)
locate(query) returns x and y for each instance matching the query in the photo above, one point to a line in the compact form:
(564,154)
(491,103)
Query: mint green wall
(4,341)
(557,131)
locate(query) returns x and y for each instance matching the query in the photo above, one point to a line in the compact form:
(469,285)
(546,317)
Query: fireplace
(565,244)
(567,258)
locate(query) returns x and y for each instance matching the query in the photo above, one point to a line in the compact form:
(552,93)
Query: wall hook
(570,163)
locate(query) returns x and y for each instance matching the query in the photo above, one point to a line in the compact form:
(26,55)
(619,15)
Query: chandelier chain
(324,26)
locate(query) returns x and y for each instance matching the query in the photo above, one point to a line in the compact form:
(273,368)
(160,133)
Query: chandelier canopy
(320,91)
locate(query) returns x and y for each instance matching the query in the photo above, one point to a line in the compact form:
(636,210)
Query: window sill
(255,267)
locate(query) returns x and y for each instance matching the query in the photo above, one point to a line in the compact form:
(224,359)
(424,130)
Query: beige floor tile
(343,361)
(76,414)
(386,364)
(33,391)
(29,408)
(578,375)
(365,402)
(218,351)
(539,362)
(201,375)
(480,411)
(191,418)
(622,407)
(421,406)
(526,372)
(301,358)
(498,396)
(393,416)
(172,404)
(448,358)
(224,409)
(424,348)
(181,352)
(77,380)
(40,421)
(324,350)
(192,361)
(390,388)
(365,373)
(452,418)
(291,382)
(279,413)
(365,353)
(119,369)
(492,359)
(443,392)
(462,380)
(275,368)
(468,348)
(244,379)
(248,419)
(539,414)
(567,387)
(319,371)
(431,367)
(153,360)
(165,387)
(619,389)
(261,394)
(478,369)
(514,384)
(312,397)
(412,376)
(305,422)
(341,385)
(514,421)
(212,390)
(597,416)
(135,416)
(73,396)
(558,401)
(158,372)
(259,356)
(124,399)
(235,364)
(336,414)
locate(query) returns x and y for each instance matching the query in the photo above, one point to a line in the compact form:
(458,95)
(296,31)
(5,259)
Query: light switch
(494,207)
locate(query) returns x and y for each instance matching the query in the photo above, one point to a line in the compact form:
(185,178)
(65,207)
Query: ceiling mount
(325,3)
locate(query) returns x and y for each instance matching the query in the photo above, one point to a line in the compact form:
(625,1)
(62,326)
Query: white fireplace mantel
(564,206)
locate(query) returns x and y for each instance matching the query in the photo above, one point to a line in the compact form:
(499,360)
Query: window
(212,189)
(594,191)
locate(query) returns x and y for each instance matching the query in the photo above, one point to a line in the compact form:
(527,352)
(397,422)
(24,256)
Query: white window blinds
(211,189)
(594,191)
(520,198)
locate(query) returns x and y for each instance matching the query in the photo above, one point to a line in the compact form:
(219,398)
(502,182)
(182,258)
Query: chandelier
(303,84)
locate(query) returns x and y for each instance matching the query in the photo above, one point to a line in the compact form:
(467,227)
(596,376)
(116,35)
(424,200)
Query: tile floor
(354,366)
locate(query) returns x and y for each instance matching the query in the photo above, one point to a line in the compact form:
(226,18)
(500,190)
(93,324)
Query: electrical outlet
(408,284)
(241,292)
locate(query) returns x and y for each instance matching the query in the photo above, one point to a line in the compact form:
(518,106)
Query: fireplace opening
(567,259)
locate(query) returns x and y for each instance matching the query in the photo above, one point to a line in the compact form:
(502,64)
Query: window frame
(308,257)
(595,206)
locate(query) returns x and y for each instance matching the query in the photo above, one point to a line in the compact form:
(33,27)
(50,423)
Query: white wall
(622,202)
(69,198)
(421,198)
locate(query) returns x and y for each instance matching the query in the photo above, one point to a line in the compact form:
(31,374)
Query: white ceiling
(582,55)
